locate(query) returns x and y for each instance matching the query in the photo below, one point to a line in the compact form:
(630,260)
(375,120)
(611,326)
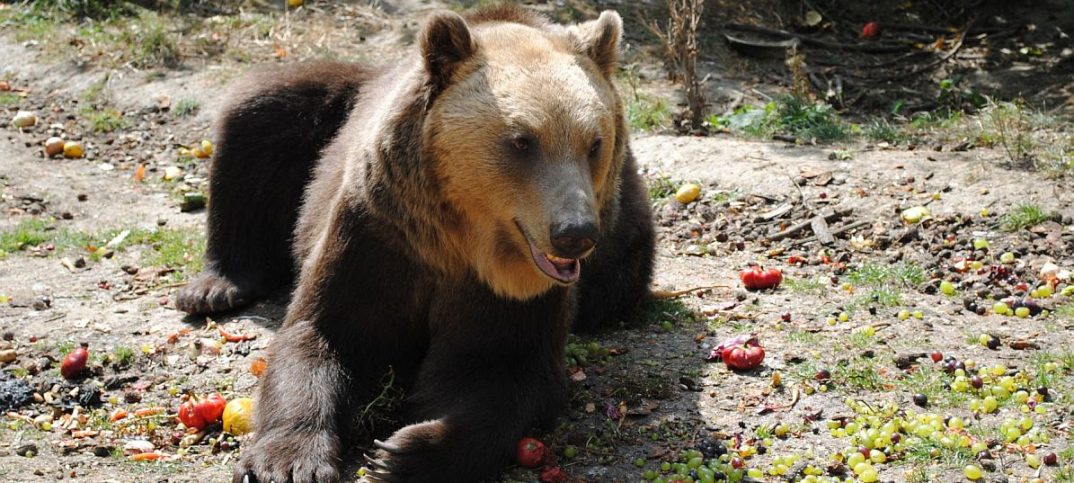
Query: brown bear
(460,210)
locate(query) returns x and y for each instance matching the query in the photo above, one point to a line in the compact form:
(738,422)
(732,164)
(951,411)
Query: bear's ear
(599,40)
(445,44)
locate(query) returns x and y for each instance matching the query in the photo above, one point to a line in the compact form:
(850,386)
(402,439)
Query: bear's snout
(573,239)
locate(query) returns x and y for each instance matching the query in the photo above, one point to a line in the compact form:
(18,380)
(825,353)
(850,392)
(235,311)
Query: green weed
(1022,216)
(106,120)
(858,374)
(9,99)
(149,44)
(805,286)
(186,107)
(879,275)
(657,311)
(789,115)
(661,187)
(934,385)
(28,233)
(882,130)
(647,113)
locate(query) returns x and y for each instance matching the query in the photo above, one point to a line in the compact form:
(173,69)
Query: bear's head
(527,136)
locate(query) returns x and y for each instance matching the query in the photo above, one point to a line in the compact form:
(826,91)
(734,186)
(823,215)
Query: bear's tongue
(565,270)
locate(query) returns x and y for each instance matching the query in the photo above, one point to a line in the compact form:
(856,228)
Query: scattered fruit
(238,416)
(915,214)
(197,412)
(24,119)
(172,172)
(531,452)
(759,278)
(687,193)
(73,150)
(870,30)
(744,357)
(75,362)
(53,146)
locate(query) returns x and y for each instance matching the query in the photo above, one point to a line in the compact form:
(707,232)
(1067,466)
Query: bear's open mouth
(563,270)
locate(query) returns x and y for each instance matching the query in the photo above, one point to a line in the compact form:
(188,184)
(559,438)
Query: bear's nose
(572,240)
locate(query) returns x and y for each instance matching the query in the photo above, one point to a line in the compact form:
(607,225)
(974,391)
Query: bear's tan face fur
(527,134)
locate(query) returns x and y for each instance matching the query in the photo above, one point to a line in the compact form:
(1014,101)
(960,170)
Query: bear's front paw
(210,293)
(414,453)
(295,457)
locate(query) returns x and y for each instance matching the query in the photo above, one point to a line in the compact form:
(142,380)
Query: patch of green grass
(807,121)
(123,355)
(883,130)
(860,339)
(176,248)
(657,311)
(884,296)
(858,374)
(28,23)
(932,120)
(1065,311)
(9,99)
(95,91)
(1022,216)
(26,234)
(810,121)
(1065,473)
(646,113)
(879,275)
(931,382)
(805,286)
(186,107)
(65,347)
(1007,125)
(661,187)
(106,120)
(804,337)
(149,43)
(932,452)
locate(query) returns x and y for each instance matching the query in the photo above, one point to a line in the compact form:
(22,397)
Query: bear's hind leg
(268,142)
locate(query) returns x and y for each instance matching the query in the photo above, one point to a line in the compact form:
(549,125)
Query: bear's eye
(595,147)
(521,144)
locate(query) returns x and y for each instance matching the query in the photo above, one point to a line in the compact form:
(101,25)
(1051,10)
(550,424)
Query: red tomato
(743,357)
(553,474)
(530,452)
(75,362)
(870,30)
(795,260)
(758,278)
(198,412)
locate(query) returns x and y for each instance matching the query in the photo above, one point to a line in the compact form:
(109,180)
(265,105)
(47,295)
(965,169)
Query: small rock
(42,302)
(26,450)
(7,355)
(103,451)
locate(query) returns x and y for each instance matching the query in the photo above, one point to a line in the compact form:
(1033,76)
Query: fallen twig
(829,216)
(837,231)
(669,294)
(924,68)
(808,40)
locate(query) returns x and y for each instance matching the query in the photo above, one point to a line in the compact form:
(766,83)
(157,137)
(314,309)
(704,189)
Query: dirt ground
(92,249)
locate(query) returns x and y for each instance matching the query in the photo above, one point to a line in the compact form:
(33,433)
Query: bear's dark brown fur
(448,204)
